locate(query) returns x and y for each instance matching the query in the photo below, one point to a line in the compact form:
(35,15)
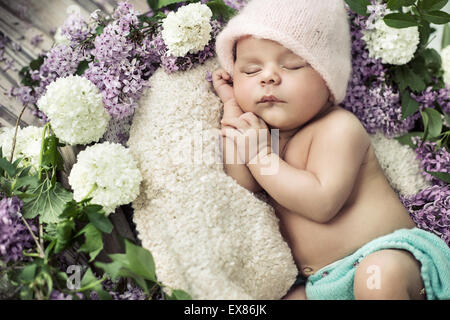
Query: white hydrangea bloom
(28,145)
(110,170)
(59,38)
(187,30)
(75,108)
(445,55)
(391,45)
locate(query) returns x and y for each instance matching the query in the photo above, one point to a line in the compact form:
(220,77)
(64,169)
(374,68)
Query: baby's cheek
(243,93)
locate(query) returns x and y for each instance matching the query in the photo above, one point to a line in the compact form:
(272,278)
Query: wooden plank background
(20,21)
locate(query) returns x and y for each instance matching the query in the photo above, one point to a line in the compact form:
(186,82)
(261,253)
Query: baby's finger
(235,122)
(250,117)
(230,132)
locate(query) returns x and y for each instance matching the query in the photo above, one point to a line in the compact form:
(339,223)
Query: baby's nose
(270,78)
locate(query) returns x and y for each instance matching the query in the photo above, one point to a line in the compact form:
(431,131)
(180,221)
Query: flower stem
(90,192)
(41,252)
(15,133)
(44,131)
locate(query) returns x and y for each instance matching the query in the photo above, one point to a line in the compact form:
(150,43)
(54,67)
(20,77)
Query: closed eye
(294,68)
(250,72)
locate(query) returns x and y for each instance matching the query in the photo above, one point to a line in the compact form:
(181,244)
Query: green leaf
(90,283)
(112,268)
(406,138)
(400,20)
(82,67)
(424,32)
(397,4)
(28,273)
(179,295)
(401,77)
(437,17)
(71,210)
(165,3)
(64,234)
(140,261)
(409,105)
(37,63)
(8,167)
(433,59)
(51,155)
(415,82)
(220,9)
(444,176)
(432,5)
(26,293)
(432,122)
(93,241)
(153,4)
(27,181)
(405,77)
(99,30)
(88,278)
(445,36)
(49,202)
(97,216)
(121,258)
(359,6)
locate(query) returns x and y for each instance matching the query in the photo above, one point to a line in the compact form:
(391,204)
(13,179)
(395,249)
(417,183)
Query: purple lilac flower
(57,295)
(36,40)
(236,4)
(121,85)
(75,28)
(430,210)
(132,292)
(376,11)
(14,235)
(112,46)
(376,104)
(429,97)
(431,160)
(121,67)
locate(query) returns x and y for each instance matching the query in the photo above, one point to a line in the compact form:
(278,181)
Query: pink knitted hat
(316,30)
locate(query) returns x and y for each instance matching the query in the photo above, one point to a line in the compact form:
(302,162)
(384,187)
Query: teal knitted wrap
(335,281)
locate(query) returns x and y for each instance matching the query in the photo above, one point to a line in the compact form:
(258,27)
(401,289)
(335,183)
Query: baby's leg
(296,293)
(389,274)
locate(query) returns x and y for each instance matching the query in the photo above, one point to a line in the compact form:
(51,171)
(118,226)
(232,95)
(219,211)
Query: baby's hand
(221,82)
(252,136)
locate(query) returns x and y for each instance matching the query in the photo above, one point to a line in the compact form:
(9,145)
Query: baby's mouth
(270,98)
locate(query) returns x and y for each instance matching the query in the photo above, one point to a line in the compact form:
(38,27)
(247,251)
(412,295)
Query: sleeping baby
(285,68)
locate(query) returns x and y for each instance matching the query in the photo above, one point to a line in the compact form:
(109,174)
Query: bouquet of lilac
(401,88)
(85,89)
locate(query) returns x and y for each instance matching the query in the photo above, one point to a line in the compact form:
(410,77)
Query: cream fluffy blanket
(208,235)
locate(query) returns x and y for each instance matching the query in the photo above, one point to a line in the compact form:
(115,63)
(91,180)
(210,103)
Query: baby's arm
(239,172)
(320,190)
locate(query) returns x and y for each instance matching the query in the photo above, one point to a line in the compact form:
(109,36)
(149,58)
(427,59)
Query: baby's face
(265,68)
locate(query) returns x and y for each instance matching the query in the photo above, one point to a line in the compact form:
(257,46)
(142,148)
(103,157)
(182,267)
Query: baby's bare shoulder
(339,122)
(340,129)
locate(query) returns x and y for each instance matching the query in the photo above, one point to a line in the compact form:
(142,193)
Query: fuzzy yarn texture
(400,165)
(208,235)
(317,31)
